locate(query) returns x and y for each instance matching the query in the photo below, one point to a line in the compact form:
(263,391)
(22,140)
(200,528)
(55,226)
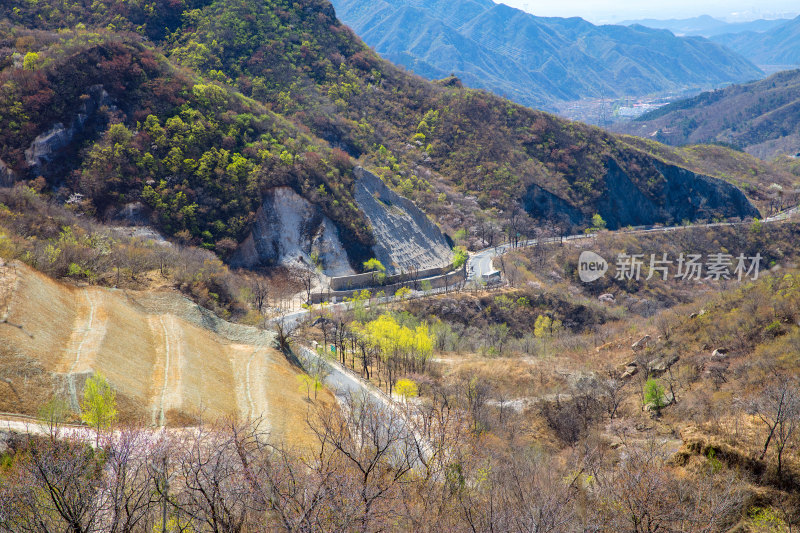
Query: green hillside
(759,117)
(195,109)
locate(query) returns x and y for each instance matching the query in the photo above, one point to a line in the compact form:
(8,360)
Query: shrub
(407,388)
(654,395)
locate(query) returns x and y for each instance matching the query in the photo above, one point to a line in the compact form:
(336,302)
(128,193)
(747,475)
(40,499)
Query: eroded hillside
(171,361)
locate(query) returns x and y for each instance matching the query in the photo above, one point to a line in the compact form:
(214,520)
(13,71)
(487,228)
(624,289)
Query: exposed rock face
(541,203)
(683,195)
(287,230)
(45,146)
(661,364)
(641,343)
(405,237)
(7,176)
(133,214)
(44,152)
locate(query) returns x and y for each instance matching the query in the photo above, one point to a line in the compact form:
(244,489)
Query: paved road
(343,382)
(480,263)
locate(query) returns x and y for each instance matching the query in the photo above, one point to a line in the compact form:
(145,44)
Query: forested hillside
(760,117)
(196,108)
(776,46)
(544,59)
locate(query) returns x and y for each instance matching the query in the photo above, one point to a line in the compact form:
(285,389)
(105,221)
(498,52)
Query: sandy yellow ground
(167,360)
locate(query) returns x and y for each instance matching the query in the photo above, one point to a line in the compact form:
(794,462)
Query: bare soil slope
(170,361)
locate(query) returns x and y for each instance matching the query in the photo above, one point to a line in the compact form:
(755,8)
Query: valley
(254,276)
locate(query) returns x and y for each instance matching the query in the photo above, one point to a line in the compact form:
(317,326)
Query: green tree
(54,412)
(402,293)
(377,269)
(401,349)
(406,388)
(30,61)
(99,405)
(373,265)
(459,256)
(654,395)
(598,222)
(545,326)
(309,383)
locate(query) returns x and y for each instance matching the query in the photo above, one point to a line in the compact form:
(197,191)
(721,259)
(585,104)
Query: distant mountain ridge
(543,60)
(706,25)
(777,46)
(762,118)
(247,101)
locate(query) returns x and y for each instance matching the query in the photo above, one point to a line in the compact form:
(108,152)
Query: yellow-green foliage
(766,521)
(459,256)
(373,265)
(99,405)
(546,327)
(407,388)
(402,293)
(309,383)
(654,394)
(30,61)
(397,341)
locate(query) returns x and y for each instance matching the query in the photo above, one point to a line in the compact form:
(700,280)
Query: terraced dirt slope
(170,361)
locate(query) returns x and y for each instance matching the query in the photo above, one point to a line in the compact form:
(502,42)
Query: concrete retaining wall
(365,281)
(436,282)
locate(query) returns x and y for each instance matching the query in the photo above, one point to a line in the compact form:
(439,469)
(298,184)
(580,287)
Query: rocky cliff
(681,195)
(289,230)
(45,154)
(7,176)
(405,237)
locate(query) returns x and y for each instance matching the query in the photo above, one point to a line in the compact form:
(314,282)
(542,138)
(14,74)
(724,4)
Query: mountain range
(777,46)
(706,25)
(196,113)
(762,118)
(535,60)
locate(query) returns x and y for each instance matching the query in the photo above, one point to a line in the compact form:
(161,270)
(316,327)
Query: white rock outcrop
(288,229)
(44,146)
(405,237)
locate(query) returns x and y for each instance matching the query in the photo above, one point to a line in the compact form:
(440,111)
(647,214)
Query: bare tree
(129,488)
(307,278)
(285,333)
(214,489)
(641,495)
(377,446)
(612,393)
(53,488)
(259,294)
(778,408)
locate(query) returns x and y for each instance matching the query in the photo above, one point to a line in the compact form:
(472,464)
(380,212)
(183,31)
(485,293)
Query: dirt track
(170,361)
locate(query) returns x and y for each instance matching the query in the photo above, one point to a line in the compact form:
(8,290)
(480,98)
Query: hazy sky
(612,11)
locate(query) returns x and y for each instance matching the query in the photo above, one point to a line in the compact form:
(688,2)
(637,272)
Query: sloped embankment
(169,360)
(405,237)
(290,231)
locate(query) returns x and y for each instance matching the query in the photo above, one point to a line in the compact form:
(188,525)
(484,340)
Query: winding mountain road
(479,265)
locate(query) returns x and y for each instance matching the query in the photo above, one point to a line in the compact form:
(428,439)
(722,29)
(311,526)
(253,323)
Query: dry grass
(159,362)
